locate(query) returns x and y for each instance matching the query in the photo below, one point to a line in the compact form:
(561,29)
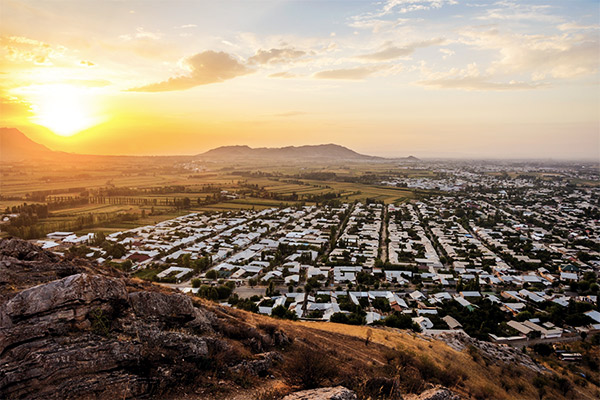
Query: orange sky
(392,78)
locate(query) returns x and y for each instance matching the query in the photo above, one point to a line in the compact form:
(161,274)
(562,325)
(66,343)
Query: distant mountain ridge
(321,151)
(16,146)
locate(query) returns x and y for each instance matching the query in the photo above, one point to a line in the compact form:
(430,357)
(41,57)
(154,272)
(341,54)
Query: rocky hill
(331,152)
(70,329)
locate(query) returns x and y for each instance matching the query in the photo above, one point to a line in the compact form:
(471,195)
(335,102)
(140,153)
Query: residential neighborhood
(520,252)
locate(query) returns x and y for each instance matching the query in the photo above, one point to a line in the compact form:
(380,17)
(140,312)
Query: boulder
(68,293)
(162,306)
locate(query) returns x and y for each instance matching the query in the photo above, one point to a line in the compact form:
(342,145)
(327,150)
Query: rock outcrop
(330,393)
(72,330)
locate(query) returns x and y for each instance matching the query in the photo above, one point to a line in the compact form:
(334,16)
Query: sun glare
(64,109)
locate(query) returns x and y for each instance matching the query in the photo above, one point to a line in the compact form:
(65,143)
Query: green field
(162,185)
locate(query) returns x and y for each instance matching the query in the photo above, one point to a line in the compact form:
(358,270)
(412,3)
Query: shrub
(543,349)
(309,368)
(100,322)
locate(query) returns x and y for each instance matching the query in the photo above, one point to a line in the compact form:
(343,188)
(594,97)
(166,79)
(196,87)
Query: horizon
(383,158)
(434,79)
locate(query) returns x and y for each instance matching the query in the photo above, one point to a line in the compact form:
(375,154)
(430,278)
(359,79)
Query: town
(509,258)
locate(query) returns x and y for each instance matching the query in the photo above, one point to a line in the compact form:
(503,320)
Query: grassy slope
(471,375)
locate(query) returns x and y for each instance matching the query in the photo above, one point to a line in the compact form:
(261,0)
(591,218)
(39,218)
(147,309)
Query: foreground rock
(95,334)
(332,393)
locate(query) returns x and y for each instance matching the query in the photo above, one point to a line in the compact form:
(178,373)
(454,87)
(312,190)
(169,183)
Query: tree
(283,313)
(212,274)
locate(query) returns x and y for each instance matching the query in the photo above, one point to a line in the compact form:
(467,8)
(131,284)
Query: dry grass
(395,358)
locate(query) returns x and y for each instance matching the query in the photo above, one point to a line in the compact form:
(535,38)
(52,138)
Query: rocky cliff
(69,330)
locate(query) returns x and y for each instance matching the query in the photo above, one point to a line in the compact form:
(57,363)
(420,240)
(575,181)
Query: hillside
(15,146)
(324,151)
(70,329)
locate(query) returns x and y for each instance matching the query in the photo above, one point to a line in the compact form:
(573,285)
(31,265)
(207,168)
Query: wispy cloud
(275,56)
(205,68)
(571,26)
(470,78)
(518,11)
(353,74)
(479,83)
(285,74)
(559,56)
(386,16)
(141,33)
(406,6)
(389,51)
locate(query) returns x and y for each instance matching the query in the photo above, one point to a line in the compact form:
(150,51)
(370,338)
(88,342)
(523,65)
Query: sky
(430,78)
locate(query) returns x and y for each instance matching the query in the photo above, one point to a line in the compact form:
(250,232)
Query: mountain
(323,151)
(70,329)
(15,146)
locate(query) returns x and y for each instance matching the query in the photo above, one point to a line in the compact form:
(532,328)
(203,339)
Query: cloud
(275,56)
(141,33)
(470,78)
(205,68)
(380,19)
(376,24)
(285,74)
(389,52)
(86,63)
(405,6)
(24,49)
(479,83)
(188,26)
(447,53)
(571,26)
(559,56)
(512,11)
(13,107)
(353,74)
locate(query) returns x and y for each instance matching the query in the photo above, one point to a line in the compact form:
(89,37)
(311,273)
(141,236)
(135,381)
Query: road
(383,235)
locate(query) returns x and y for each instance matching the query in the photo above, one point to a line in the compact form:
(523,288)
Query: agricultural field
(122,193)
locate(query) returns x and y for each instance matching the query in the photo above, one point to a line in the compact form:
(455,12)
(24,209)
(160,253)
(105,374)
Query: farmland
(113,194)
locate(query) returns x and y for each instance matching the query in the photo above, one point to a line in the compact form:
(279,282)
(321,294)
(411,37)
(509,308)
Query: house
(519,327)
(423,322)
(416,295)
(451,322)
(568,276)
(595,315)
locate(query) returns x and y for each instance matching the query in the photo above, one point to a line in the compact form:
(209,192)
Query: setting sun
(64,109)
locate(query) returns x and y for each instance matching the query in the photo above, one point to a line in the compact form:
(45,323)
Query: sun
(64,109)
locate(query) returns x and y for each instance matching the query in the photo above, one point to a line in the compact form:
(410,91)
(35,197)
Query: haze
(432,78)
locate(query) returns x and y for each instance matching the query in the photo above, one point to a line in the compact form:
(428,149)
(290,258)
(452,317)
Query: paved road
(383,246)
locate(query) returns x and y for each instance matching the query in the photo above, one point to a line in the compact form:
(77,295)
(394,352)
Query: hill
(15,146)
(71,329)
(332,152)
